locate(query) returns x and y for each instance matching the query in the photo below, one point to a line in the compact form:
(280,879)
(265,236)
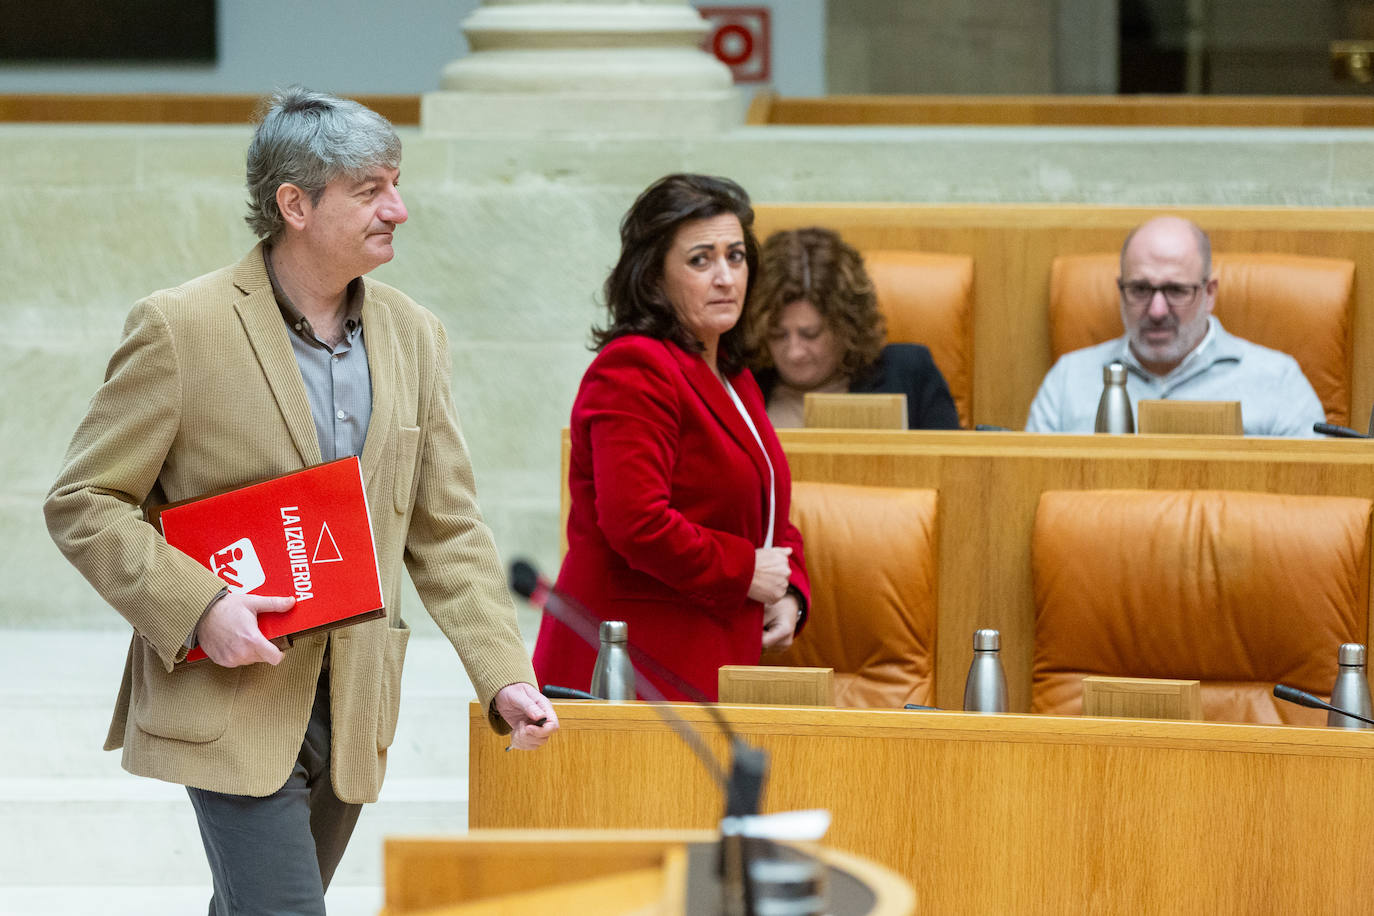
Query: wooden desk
(990,814)
(990,484)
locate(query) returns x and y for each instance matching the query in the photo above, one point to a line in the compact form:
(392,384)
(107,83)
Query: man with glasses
(1174,348)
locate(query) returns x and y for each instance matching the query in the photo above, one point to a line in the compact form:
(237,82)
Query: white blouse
(772,494)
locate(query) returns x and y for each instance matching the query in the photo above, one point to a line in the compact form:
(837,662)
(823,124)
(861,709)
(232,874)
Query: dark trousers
(275,856)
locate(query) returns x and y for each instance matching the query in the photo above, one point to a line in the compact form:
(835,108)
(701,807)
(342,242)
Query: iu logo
(238,566)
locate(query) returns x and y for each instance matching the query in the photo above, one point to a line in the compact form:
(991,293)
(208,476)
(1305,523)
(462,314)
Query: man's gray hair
(308,139)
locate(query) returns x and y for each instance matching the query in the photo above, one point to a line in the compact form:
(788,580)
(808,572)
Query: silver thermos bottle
(788,887)
(1351,690)
(1114,408)
(986,687)
(613,677)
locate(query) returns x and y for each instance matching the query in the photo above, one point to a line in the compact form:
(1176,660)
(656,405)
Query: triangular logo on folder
(326,550)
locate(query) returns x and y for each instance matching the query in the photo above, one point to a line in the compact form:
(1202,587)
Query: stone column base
(451,114)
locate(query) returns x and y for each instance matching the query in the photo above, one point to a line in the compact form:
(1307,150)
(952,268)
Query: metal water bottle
(1351,690)
(986,687)
(613,677)
(1114,408)
(788,887)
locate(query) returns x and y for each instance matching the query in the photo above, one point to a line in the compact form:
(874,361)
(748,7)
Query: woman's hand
(771,573)
(780,623)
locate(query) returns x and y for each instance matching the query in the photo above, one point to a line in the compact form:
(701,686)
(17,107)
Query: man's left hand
(522,707)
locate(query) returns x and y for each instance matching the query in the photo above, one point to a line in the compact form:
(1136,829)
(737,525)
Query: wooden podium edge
(414,884)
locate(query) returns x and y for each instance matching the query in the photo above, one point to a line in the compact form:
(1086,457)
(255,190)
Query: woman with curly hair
(814,325)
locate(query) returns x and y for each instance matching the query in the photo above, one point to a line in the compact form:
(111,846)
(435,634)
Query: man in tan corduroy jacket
(286,359)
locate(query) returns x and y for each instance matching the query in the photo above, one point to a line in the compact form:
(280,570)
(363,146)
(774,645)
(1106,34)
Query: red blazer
(669,502)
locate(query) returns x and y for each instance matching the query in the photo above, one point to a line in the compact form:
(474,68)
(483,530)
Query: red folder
(306,535)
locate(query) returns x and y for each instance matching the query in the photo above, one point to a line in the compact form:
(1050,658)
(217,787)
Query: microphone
(554,692)
(1341,432)
(1303,698)
(748,765)
(990,428)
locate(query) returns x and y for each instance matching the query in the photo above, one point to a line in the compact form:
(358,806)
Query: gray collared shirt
(337,381)
(1275,397)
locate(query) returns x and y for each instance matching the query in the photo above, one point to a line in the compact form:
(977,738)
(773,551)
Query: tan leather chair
(1294,303)
(1238,590)
(871,555)
(927,299)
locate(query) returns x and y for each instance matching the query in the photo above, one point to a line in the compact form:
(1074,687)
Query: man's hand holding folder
(307,531)
(229,631)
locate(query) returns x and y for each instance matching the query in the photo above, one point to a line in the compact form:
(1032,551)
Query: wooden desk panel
(990,484)
(990,814)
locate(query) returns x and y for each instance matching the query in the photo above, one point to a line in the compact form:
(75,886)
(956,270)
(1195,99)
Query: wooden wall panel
(1012,246)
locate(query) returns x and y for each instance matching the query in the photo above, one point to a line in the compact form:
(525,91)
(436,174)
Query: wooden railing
(1066,110)
(170,108)
(769,108)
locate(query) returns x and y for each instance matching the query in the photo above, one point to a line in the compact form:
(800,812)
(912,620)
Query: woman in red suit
(679,488)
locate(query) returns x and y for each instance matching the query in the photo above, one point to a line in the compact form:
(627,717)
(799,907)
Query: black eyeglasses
(1178,295)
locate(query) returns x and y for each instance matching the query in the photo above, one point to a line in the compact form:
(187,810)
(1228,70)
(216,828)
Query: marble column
(597,66)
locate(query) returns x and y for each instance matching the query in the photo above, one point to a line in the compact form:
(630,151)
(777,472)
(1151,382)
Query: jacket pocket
(389,702)
(408,443)
(192,704)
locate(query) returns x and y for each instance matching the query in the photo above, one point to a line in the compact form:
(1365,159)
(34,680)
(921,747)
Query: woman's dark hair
(816,265)
(634,290)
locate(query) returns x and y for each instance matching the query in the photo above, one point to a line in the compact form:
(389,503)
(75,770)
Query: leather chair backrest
(1294,303)
(927,299)
(1238,590)
(871,556)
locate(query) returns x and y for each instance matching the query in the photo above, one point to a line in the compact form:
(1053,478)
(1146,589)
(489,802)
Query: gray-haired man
(286,359)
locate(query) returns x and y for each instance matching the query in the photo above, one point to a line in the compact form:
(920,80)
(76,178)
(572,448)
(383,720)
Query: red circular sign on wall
(740,38)
(732,44)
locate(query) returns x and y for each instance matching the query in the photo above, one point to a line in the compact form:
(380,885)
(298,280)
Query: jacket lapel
(266,332)
(380,339)
(712,392)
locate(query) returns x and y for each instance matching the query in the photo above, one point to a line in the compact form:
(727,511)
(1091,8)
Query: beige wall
(938,46)
(509,242)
